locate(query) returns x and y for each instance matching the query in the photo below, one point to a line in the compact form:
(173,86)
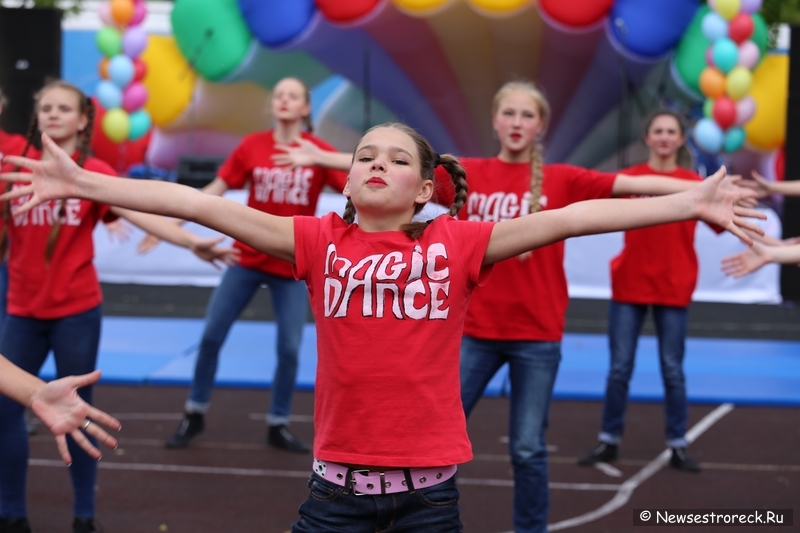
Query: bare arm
(757,256)
(712,201)
(59,177)
(625,185)
(59,407)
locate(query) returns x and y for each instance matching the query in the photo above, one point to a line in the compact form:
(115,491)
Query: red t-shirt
(658,265)
(389,313)
(526,299)
(10,144)
(274,189)
(69,284)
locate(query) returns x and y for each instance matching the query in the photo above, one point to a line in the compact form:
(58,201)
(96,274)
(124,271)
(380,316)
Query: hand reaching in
(207,250)
(301,153)
(746,262)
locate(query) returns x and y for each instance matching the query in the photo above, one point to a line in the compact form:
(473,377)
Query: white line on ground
(608,470)
(626,489)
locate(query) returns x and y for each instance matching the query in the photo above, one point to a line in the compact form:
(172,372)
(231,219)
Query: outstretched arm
(713,201)
(757,256)
(59,407)
(765,187)
(59,177)
(625,185)
(308,154)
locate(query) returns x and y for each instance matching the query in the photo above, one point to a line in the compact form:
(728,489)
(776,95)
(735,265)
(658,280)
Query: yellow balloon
(728,8)
(499,7)
(170,80)
(767,129)
(738,83)
(116,125)
(421,7)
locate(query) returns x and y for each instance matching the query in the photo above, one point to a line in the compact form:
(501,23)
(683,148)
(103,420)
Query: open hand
(301,153)
(207,250)
(119,230)
(52,178)
(59,407)
(745,262)
(759,184)
(719,202)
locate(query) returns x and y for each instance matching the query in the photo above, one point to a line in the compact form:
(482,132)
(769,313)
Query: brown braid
(349,212)
(86,107)
(537,177)
(33,130)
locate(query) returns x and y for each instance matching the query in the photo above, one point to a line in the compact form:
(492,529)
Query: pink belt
(376,483)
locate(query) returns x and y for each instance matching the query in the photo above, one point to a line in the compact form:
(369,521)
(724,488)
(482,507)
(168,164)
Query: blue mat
(162,352)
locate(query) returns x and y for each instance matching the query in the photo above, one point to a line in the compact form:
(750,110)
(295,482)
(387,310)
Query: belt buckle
(353,482)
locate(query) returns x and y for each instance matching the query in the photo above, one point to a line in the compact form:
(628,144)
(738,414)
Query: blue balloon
(708,135)
(725,54)
(734,139)
(140,124)
(109,95)
(121,70)
(714,27)
(275,22)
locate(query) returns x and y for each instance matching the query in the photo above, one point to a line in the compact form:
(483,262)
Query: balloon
(109,95)
(116,125)
(767,129)
(712,82)
(714,27)
(120,70)
(139,124)
(134,97)
(121,11)
(749,54)
(724,112)
(733,139)
(103,68)
(728,8)
(725,54)
(745,109)
(170,81)
(109,41)
(741,28)
(139,69)
(105,13)
(134,42)
(139,13)
(738,83)
(750,6)
(708,108)
(707,135)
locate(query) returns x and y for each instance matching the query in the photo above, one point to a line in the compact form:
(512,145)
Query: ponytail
(537,177)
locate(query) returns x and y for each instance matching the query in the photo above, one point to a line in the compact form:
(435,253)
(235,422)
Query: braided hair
(429,160)
(536,149)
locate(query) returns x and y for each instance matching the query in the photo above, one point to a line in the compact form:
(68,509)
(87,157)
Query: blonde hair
(536,149)
(428,161)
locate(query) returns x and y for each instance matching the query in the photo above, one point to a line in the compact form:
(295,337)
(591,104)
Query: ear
(346,190)
(84,121)
(425,193)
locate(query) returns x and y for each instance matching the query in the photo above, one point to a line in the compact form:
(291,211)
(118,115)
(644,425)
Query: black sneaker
(279,437)
(14,525)
(191,426)
(83,525)
(680,460)
(603,453)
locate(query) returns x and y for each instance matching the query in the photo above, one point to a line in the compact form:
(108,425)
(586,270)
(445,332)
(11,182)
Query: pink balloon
(134,97)
(750,6)
(745,109)
(139,13)
(749,54)
(105,14)
(134,42)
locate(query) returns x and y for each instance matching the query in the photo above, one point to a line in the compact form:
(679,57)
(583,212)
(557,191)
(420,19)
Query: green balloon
(109,41)
(690,56)
(212,35)
(734,139)
(760,35)
(708,108)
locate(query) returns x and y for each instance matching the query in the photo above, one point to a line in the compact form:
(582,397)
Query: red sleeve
(306,235)
(583,183)
(234,170)
(334,178)
(472,239)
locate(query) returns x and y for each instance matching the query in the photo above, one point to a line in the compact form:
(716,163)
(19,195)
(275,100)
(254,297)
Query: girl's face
(664,136)
(385,175)
(289,101)
(517,122)
(58,113)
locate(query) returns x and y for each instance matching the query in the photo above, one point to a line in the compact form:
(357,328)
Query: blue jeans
(532,369)
(331,508)
(238,285)
(26,343)
(624,325)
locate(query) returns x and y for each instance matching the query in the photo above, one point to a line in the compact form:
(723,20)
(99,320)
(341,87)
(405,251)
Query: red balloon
(724,112)
(740,28)
(139,69)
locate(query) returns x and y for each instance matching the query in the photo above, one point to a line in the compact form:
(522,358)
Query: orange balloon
(712,82)
(103,67)
(122,11)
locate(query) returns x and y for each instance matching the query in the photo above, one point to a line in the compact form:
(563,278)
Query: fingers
(719,174)
(749,213)
(84,379)
(749,225)
(81,440)
(27,206)
(744,237)
(16,193)
(63,450)
(19,161)
(16,177)
(101,417)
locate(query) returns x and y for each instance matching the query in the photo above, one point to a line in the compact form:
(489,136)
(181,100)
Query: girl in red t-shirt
(280,191)
(389,297)
(54,295)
